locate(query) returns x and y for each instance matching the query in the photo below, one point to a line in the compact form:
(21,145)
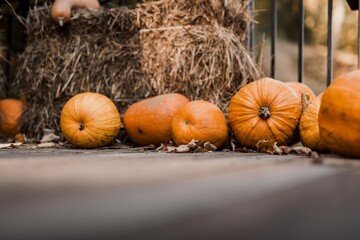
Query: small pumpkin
(265,109)
(61,9)
(90,120)
(149,121)
(199,120)
(339,115)
(300,88)
(10,116)
(309,127)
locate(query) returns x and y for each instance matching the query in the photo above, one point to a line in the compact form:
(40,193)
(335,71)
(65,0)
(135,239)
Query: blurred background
(13,38)
(315,52)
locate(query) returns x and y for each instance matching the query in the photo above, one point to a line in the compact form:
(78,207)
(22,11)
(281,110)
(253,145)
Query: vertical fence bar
(9,40)
(358,35)
(273,37)
(301,41)
(251,33)
(329,45)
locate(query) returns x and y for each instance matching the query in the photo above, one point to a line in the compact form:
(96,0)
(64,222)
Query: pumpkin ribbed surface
(339,115)
(300,88)
(149,121)
(200,120)
(264,109)
(10,116)
(309,127)
(90,120)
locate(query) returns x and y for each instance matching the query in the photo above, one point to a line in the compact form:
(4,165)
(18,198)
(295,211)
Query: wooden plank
(164,196)
(94,170)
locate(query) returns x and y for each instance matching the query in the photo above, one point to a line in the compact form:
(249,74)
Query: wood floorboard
(142,195)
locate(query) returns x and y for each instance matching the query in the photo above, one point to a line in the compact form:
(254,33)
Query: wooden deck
(124,194)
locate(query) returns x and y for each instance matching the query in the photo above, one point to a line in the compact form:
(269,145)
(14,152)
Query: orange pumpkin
(339,115)
(200,120)
(302,88)
(264,109)
(61,9)
(10,116)
(309,127)
(90,120)
(149,121)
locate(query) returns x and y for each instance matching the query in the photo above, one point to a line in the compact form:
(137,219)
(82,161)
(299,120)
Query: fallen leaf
(285,149)
(10,145)
(301,150)
(50,137)
(209,146)
(182,149)
(268,146)
(244,150)
(20,138)
(233,144)
(45,145)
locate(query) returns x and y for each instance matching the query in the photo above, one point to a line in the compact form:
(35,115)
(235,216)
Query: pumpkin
(149,121)
(90,120)
(265,109)
(61,9)
(10,116)
(339,115)
(309,127)
(300,88)
(200,120)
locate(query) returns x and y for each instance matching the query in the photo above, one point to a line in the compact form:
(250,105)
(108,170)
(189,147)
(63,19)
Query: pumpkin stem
(264,113)
(82,126)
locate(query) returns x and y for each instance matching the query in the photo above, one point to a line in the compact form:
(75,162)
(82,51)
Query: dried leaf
(171,149)
(45,145)
(209,146)
(200,150)
(245,150)
(50,137)
(233,144)
(10,145)
(193,144)
(268,146)
(301,150)
(285,149)
(20,138)
(182,149)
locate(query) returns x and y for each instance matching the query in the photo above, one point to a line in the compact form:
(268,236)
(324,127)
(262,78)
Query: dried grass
(191,47)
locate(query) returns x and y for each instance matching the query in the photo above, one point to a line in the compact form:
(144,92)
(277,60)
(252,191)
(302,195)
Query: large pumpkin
(200,120)
(90,120)
(339,115)
(300,88)
(149,121)
(309,127)
(10,116)
(264,109)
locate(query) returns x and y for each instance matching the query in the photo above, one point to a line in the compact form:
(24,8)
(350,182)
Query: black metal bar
(358,34)
(251,33)
(9,39)
(329,45)
(273,37)
(301,41)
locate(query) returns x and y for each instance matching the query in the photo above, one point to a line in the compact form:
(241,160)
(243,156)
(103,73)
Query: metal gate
(354,5)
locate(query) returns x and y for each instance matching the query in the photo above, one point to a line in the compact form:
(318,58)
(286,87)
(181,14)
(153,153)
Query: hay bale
(231,14)
(123,54)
